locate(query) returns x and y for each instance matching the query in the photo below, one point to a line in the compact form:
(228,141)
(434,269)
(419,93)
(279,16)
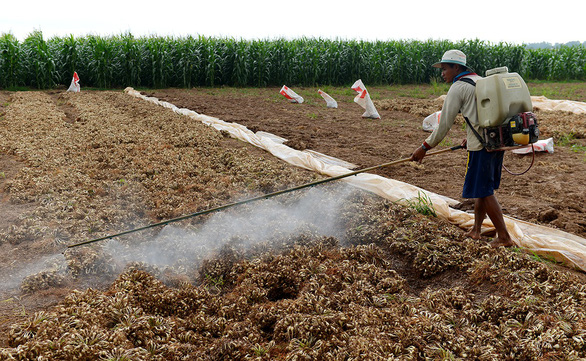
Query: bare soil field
(329,273)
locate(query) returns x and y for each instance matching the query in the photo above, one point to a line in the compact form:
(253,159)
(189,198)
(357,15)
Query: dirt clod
(548,215)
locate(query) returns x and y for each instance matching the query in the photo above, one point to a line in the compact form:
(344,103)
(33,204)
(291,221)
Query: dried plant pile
(567,127)
(405,287)
(418,107)
(97,162)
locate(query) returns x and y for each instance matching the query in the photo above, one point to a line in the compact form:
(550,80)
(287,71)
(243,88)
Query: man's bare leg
(479,215)
(490,205)
(495,213)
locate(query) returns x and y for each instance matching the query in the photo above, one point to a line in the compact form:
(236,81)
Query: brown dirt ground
(551,193)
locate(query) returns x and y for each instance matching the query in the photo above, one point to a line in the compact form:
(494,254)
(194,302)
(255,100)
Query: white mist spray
(13,277)
(316,210)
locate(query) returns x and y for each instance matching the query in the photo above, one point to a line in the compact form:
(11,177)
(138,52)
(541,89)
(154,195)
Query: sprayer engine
(520,130)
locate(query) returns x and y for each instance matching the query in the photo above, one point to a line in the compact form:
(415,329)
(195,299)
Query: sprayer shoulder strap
(468,80)
(473,83)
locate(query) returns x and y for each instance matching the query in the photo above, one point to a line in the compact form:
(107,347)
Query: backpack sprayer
(265,196)
(504,112)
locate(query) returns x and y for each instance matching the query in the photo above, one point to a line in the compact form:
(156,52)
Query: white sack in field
(363,99)
(562,246)
(74,87)
(545,145)
(291,95)
(330,102)
(431,121)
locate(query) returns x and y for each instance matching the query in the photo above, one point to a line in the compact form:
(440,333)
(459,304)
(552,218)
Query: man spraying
(483,173)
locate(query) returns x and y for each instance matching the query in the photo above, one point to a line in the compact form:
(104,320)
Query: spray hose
(526,170)
(264,196)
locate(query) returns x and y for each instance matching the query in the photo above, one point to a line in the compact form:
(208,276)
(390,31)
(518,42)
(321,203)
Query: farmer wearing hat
(483,173)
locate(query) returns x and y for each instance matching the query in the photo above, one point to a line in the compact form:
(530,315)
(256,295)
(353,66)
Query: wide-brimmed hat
(453,57)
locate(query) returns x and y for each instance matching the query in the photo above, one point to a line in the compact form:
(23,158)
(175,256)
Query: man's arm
(450,110)
(418,154)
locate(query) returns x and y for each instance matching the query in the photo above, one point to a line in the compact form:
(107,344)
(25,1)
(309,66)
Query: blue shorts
(483,173)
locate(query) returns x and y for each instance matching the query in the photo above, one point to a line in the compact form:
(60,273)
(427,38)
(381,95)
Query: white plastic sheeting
(562,246)
(543,103)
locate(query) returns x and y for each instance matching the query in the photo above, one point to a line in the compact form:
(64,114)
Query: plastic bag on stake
(431,121)
(74,87)
(363,99)
(330,102)
(291,95)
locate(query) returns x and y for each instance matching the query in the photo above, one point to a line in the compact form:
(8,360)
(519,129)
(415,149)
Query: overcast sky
(512,21)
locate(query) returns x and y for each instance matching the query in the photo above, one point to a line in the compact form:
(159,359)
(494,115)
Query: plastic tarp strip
(330,160)
(562,246)
(543,103)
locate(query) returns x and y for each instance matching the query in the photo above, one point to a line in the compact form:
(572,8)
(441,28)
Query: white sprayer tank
(500,96)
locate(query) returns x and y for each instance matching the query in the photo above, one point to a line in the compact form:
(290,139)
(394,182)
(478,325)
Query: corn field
(160,62)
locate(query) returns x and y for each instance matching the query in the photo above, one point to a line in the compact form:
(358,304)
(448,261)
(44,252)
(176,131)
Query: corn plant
(537,64)
(10,55)
(212,62)
(65,54)
(331,58)
(260,66)
(101,60)
(239,60)
(568,63)
(282,62)
(157,55)
(188,58)
(129,60)
(38,65)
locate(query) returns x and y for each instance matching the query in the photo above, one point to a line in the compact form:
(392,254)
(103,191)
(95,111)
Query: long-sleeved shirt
(461,98)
